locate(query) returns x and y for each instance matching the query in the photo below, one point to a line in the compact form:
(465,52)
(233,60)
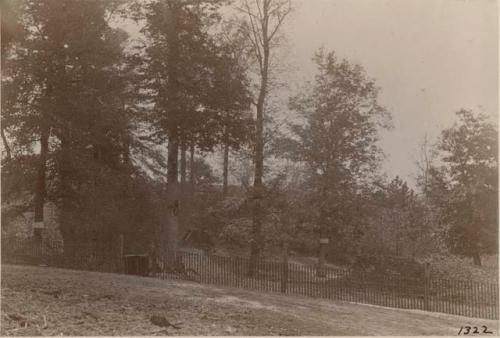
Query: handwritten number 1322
(465,330)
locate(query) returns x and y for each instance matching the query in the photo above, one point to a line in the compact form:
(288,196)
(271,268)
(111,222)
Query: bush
(389,265)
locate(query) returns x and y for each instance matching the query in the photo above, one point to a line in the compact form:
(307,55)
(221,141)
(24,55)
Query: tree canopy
(469,171)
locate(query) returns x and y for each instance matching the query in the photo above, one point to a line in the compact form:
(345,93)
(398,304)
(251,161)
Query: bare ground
(48,301)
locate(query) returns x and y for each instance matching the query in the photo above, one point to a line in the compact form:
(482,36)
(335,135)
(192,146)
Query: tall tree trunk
(172,90)
(225,170)
(323,231)
(66,226)
(6,144)
(192,176)
(257,240)
(173,199)
(40,190)
(126,153)
(260,31)
(183,164)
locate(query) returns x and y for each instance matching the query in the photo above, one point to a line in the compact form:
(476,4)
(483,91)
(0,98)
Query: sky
(429,57)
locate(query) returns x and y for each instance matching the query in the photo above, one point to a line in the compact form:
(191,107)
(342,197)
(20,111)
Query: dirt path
(48,301)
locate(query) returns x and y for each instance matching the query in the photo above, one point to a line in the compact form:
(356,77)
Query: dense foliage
(105,128)
(466,195)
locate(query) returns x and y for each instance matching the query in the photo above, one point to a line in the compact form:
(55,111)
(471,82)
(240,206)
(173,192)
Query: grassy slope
(57,301)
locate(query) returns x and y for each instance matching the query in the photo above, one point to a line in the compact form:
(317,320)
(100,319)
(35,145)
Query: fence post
(284,276)
(427,275)
(120,253)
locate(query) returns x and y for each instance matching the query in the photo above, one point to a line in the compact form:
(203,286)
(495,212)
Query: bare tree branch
(281,15)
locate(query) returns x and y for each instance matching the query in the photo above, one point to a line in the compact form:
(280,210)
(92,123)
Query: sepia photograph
(249,168)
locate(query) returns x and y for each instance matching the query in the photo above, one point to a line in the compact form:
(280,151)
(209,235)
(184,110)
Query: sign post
(323,242)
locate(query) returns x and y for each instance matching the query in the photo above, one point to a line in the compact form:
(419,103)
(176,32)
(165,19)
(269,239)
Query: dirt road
(49,301)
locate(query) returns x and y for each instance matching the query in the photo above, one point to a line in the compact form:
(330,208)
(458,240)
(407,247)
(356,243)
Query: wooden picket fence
(458,297)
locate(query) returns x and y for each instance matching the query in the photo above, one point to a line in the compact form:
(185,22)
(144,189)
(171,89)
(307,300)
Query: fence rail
(459,297)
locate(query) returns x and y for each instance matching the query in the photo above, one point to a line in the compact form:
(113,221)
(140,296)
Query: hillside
(49,301)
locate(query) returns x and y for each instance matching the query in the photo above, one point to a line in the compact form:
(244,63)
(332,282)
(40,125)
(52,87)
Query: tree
(15,78)
(230,99)
(262,22)
(27,115)
(399,222)
(337,143)
(425,162)
(469,153)
(70,102)
(175,75)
